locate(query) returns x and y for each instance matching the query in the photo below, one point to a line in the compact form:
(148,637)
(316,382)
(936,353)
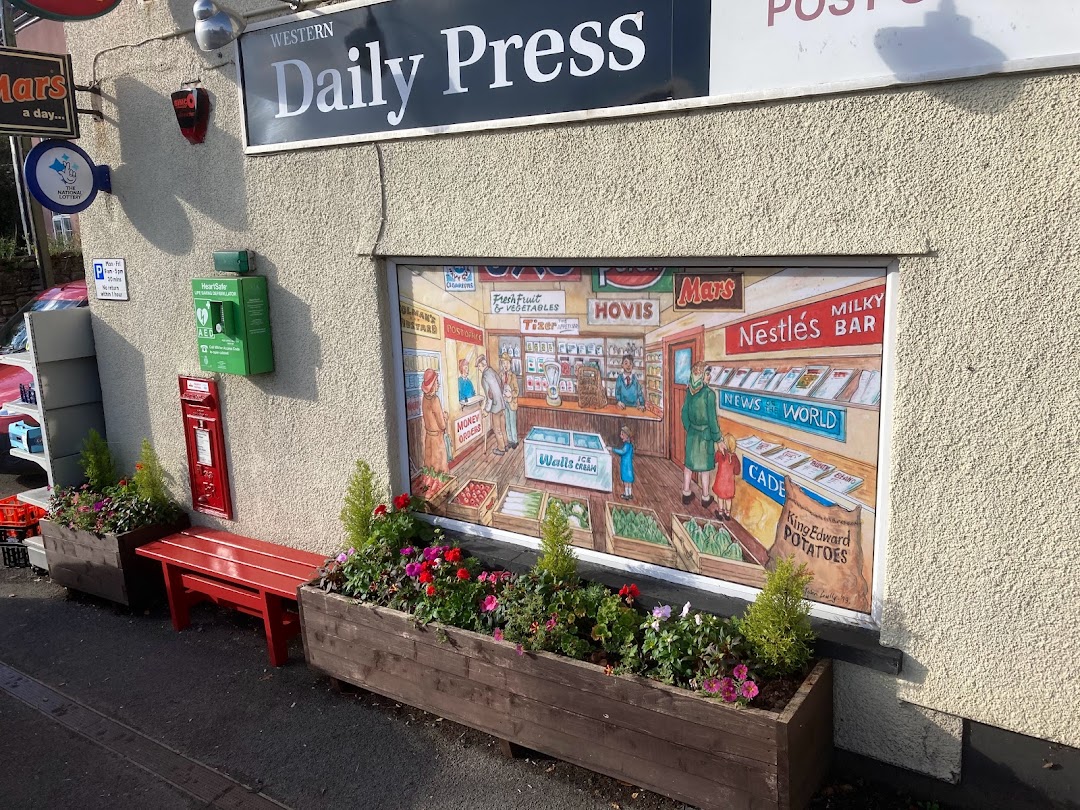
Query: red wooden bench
(252,576)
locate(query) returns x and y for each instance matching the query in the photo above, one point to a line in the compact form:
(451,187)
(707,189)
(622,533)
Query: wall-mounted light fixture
(216,25)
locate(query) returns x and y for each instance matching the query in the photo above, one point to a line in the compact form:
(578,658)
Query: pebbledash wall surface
(967,189)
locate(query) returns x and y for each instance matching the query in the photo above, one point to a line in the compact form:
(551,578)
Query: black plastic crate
(15,555)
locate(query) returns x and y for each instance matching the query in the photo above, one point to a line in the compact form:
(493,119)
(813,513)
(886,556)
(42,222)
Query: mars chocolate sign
(37,96)
(709,291)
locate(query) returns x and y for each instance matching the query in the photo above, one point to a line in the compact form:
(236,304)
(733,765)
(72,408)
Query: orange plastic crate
(14,512)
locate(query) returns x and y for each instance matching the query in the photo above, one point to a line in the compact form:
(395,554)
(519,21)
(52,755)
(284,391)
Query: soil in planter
(776,693)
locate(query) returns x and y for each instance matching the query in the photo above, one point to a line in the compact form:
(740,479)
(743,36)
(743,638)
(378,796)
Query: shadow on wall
(127,404)
(297,348)
(942,44)
(154,162)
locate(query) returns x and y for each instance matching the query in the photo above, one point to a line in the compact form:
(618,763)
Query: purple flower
(408,551)
(749,690)
(711,685)
(413,569)
(99,506)
(351,551)
(740,672)
(342,557)
(662,612)
(431,552)
(519,650)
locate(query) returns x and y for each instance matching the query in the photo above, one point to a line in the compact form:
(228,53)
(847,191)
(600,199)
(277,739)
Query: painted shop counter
(568,457)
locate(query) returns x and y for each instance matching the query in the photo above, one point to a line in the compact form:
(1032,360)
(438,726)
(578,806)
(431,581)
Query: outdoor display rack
(61,357)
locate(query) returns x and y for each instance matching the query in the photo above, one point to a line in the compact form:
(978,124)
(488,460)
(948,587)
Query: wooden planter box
(674,742)
(579,537)
(640,549)
(514,523)
(473,514)
(748,571)
(106,566)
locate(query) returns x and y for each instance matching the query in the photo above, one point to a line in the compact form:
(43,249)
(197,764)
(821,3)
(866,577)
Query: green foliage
(97,462)
(579,621)
(777,624)
(556,552)
(10,247)
(149,478)
(688,648)
(60,244)
(361,499)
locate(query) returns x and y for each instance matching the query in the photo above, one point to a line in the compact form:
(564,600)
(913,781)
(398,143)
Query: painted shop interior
(956,200)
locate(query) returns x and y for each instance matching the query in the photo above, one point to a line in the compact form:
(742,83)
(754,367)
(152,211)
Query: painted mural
(703,419)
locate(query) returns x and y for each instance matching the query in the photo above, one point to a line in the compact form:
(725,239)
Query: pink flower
(519,650)
(490,603)
(740,672)
(711,685)
(729,697)
(550,623)
(482,577)
(749,690)
(498,634)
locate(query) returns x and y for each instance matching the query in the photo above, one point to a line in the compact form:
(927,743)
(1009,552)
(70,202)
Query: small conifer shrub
(361,498)
(97,462)
(777,624)
(556,553)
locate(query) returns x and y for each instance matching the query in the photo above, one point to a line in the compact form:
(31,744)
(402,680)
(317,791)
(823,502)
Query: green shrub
(361,499)
(149,478)
(777,624)
(97,462)
(556,552)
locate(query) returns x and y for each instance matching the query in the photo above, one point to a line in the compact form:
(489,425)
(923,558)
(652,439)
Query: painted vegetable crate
(636,532)
(519,510)
(672,741)
(474,501)
(579,517)
(715,551)
(434,487)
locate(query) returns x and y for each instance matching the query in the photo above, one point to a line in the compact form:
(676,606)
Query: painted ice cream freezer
(568,457)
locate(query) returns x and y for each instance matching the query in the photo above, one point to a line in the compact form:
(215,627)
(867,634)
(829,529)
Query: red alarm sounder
(192,108)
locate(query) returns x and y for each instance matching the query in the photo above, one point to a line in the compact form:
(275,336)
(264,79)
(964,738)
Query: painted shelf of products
(574,353)
(654,380)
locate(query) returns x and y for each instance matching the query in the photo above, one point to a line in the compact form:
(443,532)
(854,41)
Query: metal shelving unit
(61,357)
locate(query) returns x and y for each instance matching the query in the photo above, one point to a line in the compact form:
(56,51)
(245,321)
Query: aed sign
(37,95)
(110,279)
(63,178)
(232,325)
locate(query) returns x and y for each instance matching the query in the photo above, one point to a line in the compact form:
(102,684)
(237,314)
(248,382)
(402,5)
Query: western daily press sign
(365,70)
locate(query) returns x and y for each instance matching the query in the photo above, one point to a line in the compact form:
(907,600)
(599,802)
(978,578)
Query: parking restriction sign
(110,280)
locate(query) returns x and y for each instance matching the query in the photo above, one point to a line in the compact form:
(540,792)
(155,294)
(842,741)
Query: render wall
(974,185)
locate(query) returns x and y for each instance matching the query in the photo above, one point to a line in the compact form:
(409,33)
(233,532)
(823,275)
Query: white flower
(697,619)
(435,563)
(656,624)
(685,611)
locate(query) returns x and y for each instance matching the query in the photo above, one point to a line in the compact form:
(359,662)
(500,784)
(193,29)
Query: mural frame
(890,267)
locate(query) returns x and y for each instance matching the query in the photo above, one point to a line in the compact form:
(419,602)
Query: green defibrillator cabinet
(232,322)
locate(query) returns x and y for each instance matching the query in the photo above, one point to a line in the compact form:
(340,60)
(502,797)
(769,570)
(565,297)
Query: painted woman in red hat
(434,419)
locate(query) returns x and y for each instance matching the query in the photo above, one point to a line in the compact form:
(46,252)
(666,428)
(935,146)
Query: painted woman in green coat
(699,420)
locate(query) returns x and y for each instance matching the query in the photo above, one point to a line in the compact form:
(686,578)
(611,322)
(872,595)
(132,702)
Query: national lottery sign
(368,70)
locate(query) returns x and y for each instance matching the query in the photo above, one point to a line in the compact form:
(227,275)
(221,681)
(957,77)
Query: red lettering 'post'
(777,7)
